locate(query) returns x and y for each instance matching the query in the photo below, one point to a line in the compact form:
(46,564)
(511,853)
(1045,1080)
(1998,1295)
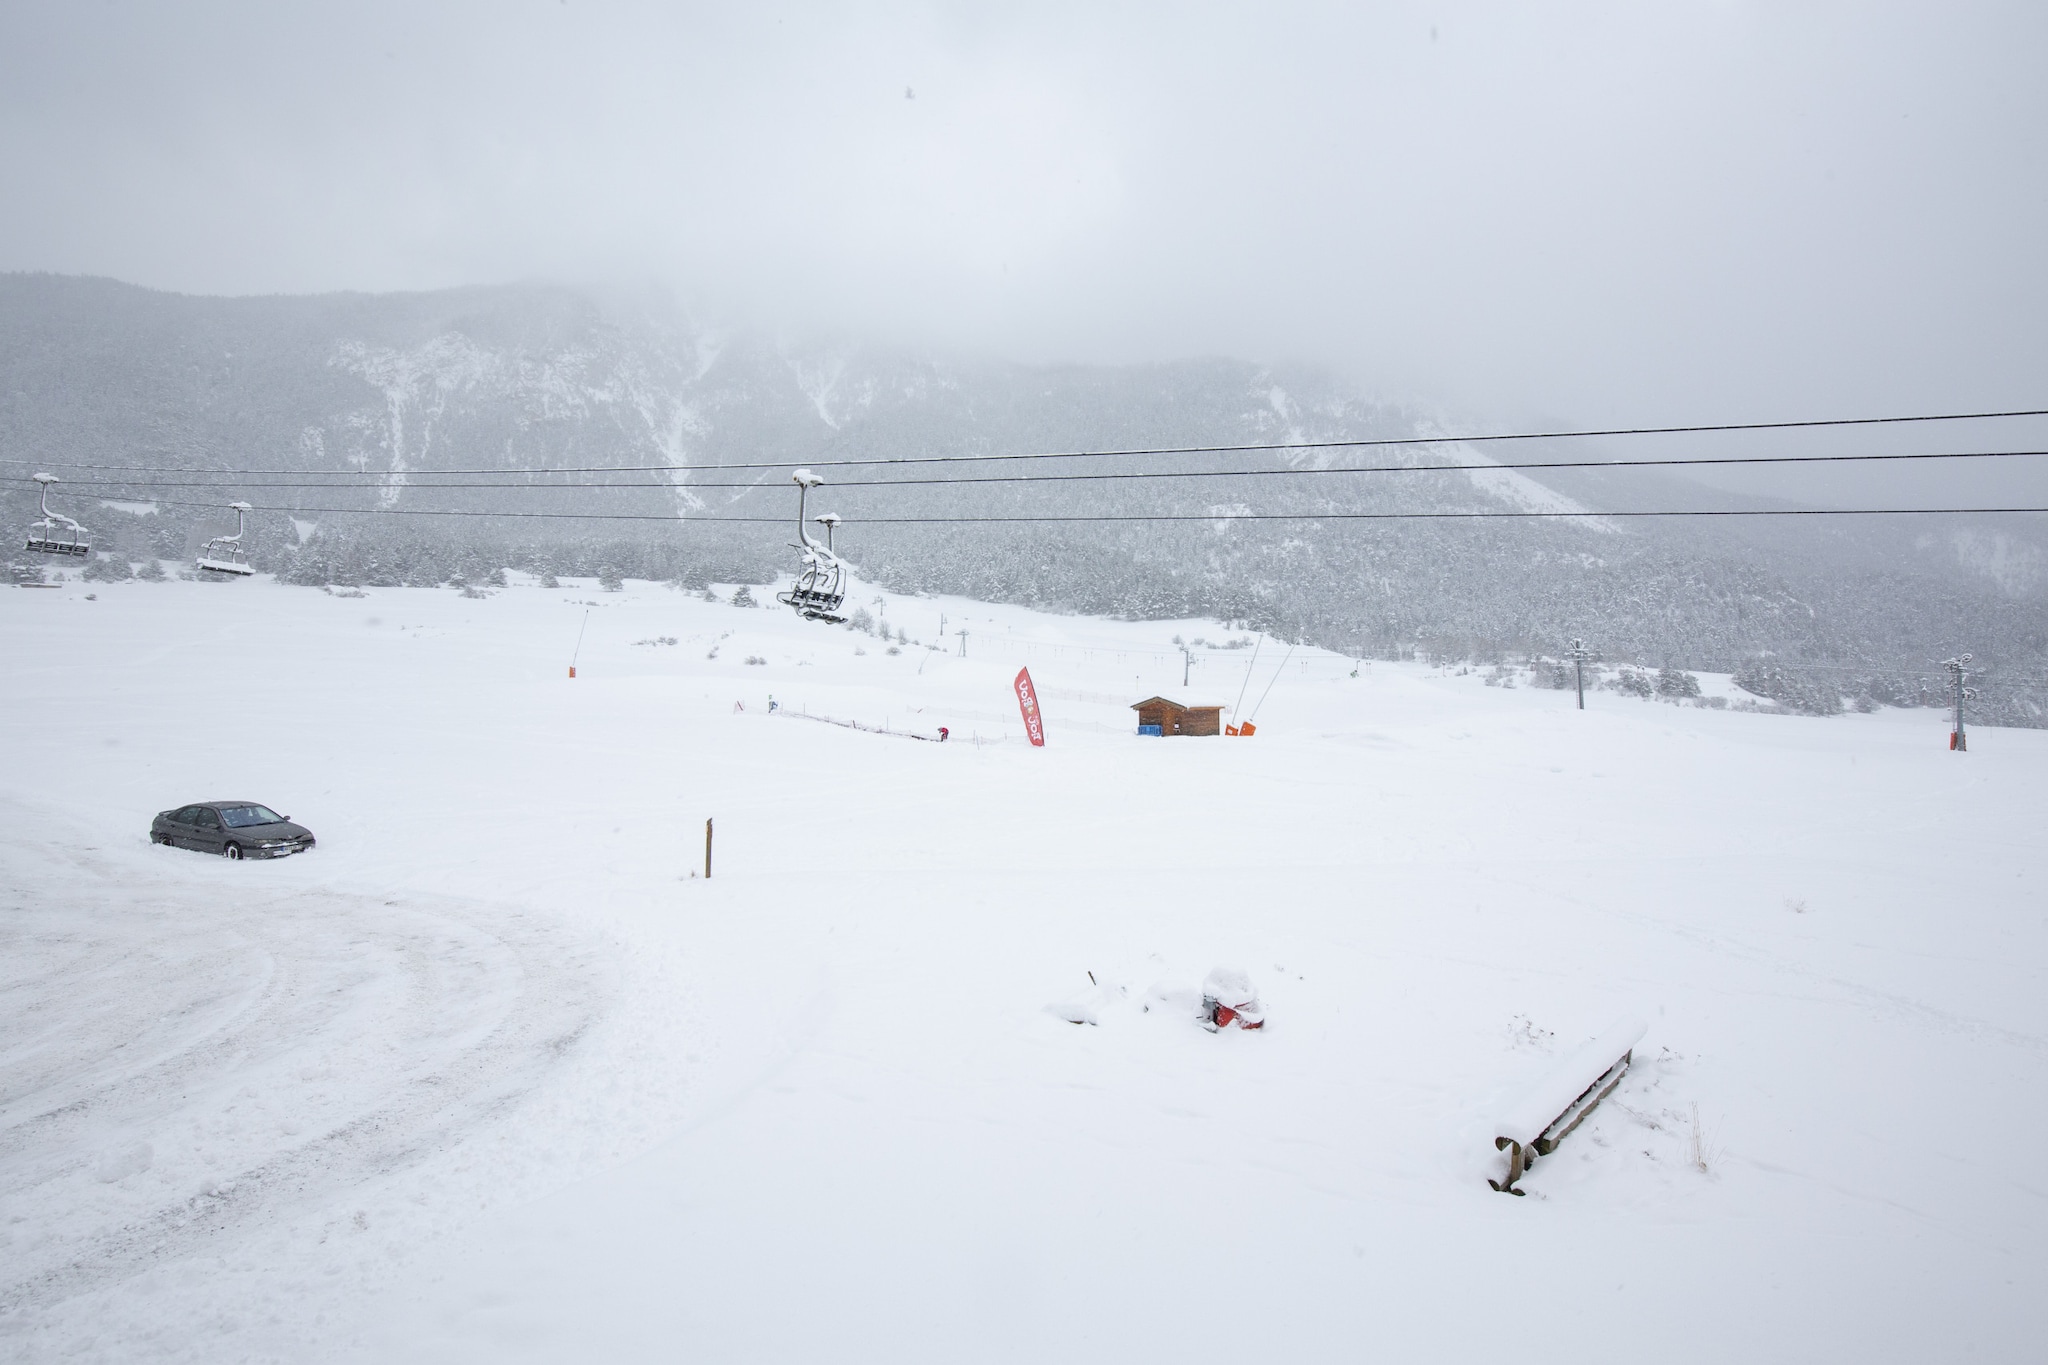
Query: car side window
(207,819)
(187,816)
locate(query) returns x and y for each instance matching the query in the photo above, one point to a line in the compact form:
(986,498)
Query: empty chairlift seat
(820,585)
(56,534)
(224,555)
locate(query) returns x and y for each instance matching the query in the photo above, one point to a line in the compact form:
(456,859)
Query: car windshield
(241,817)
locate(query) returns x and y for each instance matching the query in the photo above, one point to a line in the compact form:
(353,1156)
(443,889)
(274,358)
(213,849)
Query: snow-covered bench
(1556,1104)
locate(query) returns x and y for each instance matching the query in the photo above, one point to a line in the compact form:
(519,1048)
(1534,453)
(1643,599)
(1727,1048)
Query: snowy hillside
(491,1075)
(364,402)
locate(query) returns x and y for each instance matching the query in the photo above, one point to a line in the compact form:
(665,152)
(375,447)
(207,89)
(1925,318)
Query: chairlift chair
(224,554)
(57,534)
(820,585)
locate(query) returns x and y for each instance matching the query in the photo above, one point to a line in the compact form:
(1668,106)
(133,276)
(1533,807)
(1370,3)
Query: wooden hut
(1158,716)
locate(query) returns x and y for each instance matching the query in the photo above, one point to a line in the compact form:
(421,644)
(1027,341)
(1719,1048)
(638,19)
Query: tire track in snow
(184,1066)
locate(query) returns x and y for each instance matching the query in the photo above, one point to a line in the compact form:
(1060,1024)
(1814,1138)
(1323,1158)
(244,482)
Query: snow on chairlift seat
(224,554)
(43,536)
(1561,1099)
(820,587)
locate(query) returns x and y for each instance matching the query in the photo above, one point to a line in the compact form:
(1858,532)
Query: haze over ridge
(1576,215)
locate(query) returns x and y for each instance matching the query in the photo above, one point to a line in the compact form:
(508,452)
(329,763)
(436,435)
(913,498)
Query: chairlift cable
(1336,444)
(229,479)
(1129,517)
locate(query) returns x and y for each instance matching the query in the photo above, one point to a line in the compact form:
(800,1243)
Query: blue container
(1157,731)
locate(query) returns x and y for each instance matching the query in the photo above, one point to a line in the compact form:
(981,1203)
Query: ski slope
(491,1075)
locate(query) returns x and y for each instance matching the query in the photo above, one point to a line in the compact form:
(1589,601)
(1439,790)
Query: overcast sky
(1585,213)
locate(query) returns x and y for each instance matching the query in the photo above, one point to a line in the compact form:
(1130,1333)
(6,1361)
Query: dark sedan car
(233,829)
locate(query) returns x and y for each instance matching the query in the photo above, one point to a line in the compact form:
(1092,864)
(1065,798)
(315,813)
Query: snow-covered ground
(491,1076)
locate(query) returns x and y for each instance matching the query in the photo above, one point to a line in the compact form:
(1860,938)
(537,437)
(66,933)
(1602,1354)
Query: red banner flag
(1027,702)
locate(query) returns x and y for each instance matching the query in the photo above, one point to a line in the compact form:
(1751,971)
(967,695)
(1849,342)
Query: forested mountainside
(365,402)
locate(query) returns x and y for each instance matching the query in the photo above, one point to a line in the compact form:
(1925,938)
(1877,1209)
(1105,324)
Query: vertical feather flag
(1027,702)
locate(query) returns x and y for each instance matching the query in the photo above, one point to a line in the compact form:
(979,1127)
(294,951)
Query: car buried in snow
(233,829)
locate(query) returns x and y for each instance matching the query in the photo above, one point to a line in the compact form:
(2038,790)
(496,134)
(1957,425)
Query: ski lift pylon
(224,554)
(820,585)
(57,534)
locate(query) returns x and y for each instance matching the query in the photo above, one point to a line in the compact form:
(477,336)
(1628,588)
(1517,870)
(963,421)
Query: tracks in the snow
(192,1056)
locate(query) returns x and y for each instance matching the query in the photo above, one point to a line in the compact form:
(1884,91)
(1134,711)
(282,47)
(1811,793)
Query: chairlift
(224,554)
(57,534)
(820,585)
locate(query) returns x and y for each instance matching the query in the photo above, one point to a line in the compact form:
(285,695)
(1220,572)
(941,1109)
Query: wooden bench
(1560,1101)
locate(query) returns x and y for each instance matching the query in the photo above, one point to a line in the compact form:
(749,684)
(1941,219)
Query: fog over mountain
(358,402)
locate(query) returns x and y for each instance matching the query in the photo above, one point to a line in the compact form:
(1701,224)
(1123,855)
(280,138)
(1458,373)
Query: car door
(178,830)
(207,835)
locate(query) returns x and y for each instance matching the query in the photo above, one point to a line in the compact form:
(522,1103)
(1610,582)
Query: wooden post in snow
(707,850)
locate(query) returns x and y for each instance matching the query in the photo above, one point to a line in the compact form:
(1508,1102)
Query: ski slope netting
(491,1075)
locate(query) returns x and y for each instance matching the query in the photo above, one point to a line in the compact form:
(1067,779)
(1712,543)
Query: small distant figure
(773,705)
(943,732)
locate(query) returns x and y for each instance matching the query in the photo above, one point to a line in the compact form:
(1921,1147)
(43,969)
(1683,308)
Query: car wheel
(232,852)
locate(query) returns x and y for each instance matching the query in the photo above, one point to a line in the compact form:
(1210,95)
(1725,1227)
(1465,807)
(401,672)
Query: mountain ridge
(390,390)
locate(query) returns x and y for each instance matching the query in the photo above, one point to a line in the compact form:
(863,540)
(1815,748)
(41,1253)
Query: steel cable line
(1140,516)
(226,479)
(1244,447)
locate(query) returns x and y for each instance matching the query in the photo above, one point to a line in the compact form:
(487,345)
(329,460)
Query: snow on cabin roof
(1178,705)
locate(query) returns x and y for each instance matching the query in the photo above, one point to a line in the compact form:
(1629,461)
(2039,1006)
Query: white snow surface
(1560,1087)
(490,1075)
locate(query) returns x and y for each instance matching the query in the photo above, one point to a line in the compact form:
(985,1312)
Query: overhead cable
(1020,518)
(226,479)
(821,461)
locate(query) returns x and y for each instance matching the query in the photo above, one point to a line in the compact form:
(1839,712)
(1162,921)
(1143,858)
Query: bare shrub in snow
(1524,1033)
(1702,1153)
(756,659)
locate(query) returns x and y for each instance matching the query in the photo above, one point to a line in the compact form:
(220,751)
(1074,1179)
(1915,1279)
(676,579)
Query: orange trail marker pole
(579,642)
